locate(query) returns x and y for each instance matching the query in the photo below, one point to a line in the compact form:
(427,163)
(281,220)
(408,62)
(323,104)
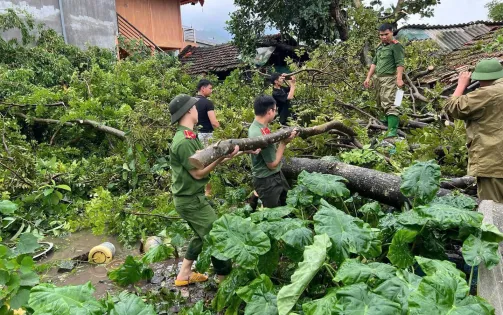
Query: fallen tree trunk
(212,153)
(369,183)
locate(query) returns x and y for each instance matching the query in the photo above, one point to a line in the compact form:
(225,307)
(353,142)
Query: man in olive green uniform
(268,180)
(188,185)
(482,110)
(388,66)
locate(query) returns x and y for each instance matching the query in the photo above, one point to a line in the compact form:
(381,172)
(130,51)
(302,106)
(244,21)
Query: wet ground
(76,246)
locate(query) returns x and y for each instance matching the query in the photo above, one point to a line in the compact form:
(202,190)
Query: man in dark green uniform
(268,180)
(188,185)
(388,66)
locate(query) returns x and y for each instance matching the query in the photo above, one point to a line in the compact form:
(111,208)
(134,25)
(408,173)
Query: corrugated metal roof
(448,37)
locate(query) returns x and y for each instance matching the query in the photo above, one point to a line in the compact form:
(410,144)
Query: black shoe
(253,202)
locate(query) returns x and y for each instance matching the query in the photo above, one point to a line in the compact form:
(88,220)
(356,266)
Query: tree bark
(369,183)
(212,153)
(340,19)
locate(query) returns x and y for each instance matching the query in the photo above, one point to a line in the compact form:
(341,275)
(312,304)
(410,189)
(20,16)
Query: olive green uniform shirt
(267,155)
(388,57)
(183,184)
(482,110)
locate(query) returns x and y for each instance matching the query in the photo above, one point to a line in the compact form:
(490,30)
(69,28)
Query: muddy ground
(160,289)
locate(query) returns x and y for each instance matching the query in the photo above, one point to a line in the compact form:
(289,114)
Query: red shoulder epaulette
(265,131)
(189,134)
(395,41)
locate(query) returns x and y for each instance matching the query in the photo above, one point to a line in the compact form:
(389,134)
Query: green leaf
(271,214)
(353,271)
(48,191)
(259,297)
(7,207)
(67,300)
(446,217)
(399,253)
(197,309)
(325,306)
(461,201)
(357,299)
(29,279)
(64,187)
(372,208)
(314,258)
(411,218)
(27,264)
(131,304)
(347,233)
(432,266)
(158,253)
(227,288)
(4,277)
(130,272)
(20,299)
(276,229)
(490,233)
(436,294)
(324,185)
(299,196)
(476,251)
(268,263)
(421,181)
(240,240)
(27,244)
(375,248)
(204,259)
(298,238)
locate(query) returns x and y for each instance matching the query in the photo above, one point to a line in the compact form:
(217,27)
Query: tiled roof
(217,58)
(464,59)
(448,37)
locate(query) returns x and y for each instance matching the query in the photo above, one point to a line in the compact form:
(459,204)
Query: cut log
(220,149)
(369,183)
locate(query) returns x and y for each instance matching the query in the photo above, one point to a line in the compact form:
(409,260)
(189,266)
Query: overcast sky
(209,21)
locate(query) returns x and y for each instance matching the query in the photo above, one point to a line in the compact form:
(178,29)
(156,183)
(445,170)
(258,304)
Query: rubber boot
(393,122)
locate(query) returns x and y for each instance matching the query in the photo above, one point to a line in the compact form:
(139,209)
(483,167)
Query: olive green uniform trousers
(386,91)
(200,216)
(489,188)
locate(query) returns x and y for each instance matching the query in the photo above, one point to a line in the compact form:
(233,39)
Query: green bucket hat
(180,105)
(488,70)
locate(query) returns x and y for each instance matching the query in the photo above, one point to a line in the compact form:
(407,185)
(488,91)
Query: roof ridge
(440,26)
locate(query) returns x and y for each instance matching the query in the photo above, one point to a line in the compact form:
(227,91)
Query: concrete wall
(90,22)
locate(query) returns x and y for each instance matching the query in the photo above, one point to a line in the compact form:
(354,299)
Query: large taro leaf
(7,207)
(476,251)
(372,208)
(399,253)
(490,233)
(131,304)
(432,266)
(227,289)
(240,240)
(276,229)
(446,217)
(461,201)
(353,271)
(324,185)
(68,300)
(259,297)
(314,258)
(298,238)
(436,294)
(268,263)
(271,214)
(299,196)
(27,244)
(356,299)
(398,289)
(375,248)
(347,233)
(131,271)
(327,305)
(421,181)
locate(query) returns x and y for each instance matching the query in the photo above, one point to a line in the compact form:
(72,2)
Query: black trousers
(272,190)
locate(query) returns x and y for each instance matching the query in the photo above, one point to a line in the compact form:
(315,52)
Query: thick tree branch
(212,153)
(31,105)
(86,122)
(416,93)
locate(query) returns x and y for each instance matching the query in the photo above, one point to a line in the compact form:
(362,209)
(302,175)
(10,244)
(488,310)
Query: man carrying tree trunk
(388,67)
(268,180)
(188,188)
(482,111)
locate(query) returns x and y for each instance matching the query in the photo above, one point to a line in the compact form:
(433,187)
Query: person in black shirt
(283,95)
(207,120)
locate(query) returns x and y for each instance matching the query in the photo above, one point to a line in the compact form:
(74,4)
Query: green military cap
(180,105)
(488,70)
